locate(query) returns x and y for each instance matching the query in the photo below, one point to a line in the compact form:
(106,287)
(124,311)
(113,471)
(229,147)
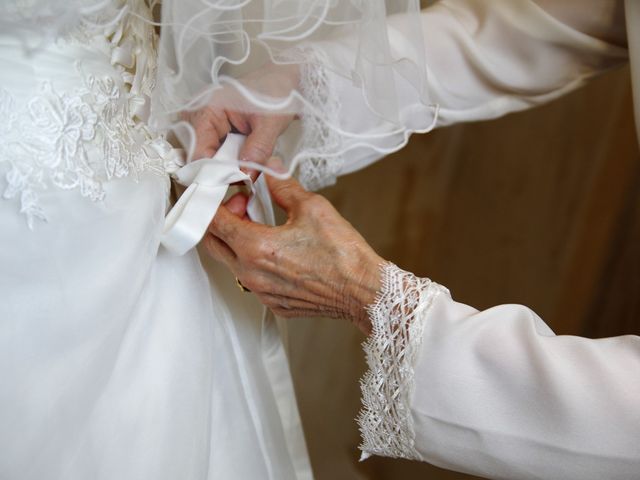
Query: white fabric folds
(117,358)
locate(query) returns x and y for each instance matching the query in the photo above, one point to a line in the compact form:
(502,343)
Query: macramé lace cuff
(398,316)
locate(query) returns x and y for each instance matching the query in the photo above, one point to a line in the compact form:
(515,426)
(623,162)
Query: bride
(118,359)
(123,354)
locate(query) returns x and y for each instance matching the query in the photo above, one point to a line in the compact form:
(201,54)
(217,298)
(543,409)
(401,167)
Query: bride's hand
(316,264)
(229,110)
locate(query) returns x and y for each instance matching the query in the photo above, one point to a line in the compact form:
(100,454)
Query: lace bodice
(75,112)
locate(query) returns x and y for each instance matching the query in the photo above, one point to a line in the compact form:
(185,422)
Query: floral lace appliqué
(398,317)
(73,141)
(79,138)
(44,144)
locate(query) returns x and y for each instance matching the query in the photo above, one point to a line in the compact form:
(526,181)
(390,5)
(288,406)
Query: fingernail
(276,164)
(248,157)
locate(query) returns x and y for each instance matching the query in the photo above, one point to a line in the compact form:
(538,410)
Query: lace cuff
(398,317)
(319,118)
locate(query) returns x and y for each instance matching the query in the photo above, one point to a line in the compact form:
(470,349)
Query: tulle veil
(208,50)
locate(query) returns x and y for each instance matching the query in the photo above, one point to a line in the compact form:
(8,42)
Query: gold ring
(241,286)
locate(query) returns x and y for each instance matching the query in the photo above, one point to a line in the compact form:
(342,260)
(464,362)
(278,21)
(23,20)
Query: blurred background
(540,208)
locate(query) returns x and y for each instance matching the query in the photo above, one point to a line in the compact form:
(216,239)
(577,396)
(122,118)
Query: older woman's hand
(316,264)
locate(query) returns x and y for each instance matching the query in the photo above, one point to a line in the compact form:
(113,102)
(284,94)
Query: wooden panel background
(540,208)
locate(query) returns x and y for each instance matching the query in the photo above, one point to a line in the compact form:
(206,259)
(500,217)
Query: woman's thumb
(286,192)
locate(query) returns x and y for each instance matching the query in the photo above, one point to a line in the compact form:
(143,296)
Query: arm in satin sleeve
(496,393)
(484,59)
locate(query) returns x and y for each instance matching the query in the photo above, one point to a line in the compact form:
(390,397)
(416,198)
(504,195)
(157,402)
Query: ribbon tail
(188,220)
(260,207)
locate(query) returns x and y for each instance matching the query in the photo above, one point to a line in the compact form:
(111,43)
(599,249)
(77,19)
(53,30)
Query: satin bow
(207,181)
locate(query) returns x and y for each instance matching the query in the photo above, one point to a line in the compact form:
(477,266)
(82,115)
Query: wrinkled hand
(316,264)
(230,110)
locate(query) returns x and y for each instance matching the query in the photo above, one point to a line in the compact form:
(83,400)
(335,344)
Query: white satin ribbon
(207,181)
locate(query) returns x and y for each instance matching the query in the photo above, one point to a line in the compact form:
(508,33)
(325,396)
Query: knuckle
(314,204)
(256,284)
(261,148)
(216,227)
(290,189)
(213,225)
(209,245)
(267,302)
(229,231)
(198,117)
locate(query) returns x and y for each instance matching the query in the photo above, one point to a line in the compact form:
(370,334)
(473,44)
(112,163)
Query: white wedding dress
(119,360)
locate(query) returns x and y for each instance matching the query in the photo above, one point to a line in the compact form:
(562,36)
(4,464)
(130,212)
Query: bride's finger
(221,122)
(206,144)
(259,145)
(211,126)
(220,125)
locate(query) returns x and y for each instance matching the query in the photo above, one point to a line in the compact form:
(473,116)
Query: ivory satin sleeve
(496,393)
(493,393)
(484,59)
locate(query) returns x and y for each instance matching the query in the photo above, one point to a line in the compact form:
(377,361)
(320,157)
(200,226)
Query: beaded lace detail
(79,138)
(398,317)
